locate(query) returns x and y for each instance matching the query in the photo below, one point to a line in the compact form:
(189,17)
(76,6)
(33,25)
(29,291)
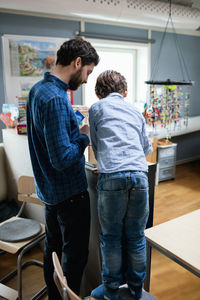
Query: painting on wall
(26,59)
(31,58)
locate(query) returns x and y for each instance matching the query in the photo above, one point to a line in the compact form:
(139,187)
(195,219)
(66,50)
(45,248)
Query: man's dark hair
(74,48)
(109,82)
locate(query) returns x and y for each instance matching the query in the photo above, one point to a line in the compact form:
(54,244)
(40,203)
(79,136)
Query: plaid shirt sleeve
(63,149)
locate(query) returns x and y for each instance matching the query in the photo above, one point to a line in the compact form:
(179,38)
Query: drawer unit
(166,162)
(166,151)
(166,173)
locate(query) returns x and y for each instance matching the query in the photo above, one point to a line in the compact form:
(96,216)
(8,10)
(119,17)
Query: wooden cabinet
(153,156)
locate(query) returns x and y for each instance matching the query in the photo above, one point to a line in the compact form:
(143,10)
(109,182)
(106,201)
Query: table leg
(148,269)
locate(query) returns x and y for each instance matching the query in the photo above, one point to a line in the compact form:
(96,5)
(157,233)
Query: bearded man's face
(76,80)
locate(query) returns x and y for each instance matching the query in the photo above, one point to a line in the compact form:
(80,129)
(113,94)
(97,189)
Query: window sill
(181,129)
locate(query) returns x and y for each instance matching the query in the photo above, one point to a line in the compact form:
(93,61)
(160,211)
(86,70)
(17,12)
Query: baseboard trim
(187,160)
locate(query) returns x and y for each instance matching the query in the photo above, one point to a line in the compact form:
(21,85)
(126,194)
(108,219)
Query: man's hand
(85,130)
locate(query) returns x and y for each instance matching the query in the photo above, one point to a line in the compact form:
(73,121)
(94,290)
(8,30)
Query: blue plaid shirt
(55,143)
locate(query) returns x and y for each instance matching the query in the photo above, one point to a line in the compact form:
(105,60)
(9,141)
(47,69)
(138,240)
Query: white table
(178,239)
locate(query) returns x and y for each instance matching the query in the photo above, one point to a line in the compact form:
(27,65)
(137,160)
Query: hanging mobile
(168,100)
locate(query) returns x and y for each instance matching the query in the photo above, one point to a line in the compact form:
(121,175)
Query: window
(127,58)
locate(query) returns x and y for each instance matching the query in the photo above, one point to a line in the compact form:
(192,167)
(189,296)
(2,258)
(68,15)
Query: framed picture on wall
(25,60)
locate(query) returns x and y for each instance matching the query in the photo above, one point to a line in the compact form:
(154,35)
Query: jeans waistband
(84,193)
(122,173)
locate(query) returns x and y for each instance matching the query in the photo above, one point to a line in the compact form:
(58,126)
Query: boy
(120,145)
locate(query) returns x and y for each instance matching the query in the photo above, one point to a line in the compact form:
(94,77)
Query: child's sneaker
(101,292)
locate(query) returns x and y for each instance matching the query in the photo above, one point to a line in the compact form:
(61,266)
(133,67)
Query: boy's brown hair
(109,82)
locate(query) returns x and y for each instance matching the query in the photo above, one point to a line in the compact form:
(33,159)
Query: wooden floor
(169,281)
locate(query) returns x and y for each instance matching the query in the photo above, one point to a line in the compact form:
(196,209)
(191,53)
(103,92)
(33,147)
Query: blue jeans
(123,210)
(67,231)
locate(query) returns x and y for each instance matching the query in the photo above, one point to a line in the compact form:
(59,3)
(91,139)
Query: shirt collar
(116,95)
(57,81)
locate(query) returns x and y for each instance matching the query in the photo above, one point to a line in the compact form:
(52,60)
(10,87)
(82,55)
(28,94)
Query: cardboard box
(153,156)
(91,157)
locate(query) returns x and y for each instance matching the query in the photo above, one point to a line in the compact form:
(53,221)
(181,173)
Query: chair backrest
(3,181)
(61,281)
(26,190)
(62,290)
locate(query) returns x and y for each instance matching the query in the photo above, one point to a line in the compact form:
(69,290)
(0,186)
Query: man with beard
(56,148)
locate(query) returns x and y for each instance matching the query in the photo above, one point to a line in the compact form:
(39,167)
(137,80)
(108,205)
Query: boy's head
(74,48)
(109,82)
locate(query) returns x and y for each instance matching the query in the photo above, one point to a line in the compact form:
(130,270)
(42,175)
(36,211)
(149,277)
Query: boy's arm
(147,146)
(93,132)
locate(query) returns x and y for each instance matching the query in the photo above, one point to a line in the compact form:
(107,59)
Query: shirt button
(71,200)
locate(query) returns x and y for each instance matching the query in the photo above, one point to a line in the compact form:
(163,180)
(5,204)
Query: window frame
(140,51)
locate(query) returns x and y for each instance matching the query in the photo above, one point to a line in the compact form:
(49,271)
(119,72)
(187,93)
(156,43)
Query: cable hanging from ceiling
(168,100)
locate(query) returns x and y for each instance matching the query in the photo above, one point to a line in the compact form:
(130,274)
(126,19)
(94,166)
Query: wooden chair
(26,194)
(61,282)
(8,293)
(67,294)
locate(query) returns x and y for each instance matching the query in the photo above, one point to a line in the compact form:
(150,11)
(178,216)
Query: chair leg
(39,294)
(65,296)
(19,264)
(8,276)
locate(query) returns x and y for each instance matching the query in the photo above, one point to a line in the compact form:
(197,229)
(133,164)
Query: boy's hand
(96,171)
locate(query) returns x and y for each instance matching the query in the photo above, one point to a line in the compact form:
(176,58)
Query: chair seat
(14,247)
(19,230)
(8,293)
(20,240)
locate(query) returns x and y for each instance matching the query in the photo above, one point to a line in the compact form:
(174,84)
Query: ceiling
(154,13)
(189,3)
